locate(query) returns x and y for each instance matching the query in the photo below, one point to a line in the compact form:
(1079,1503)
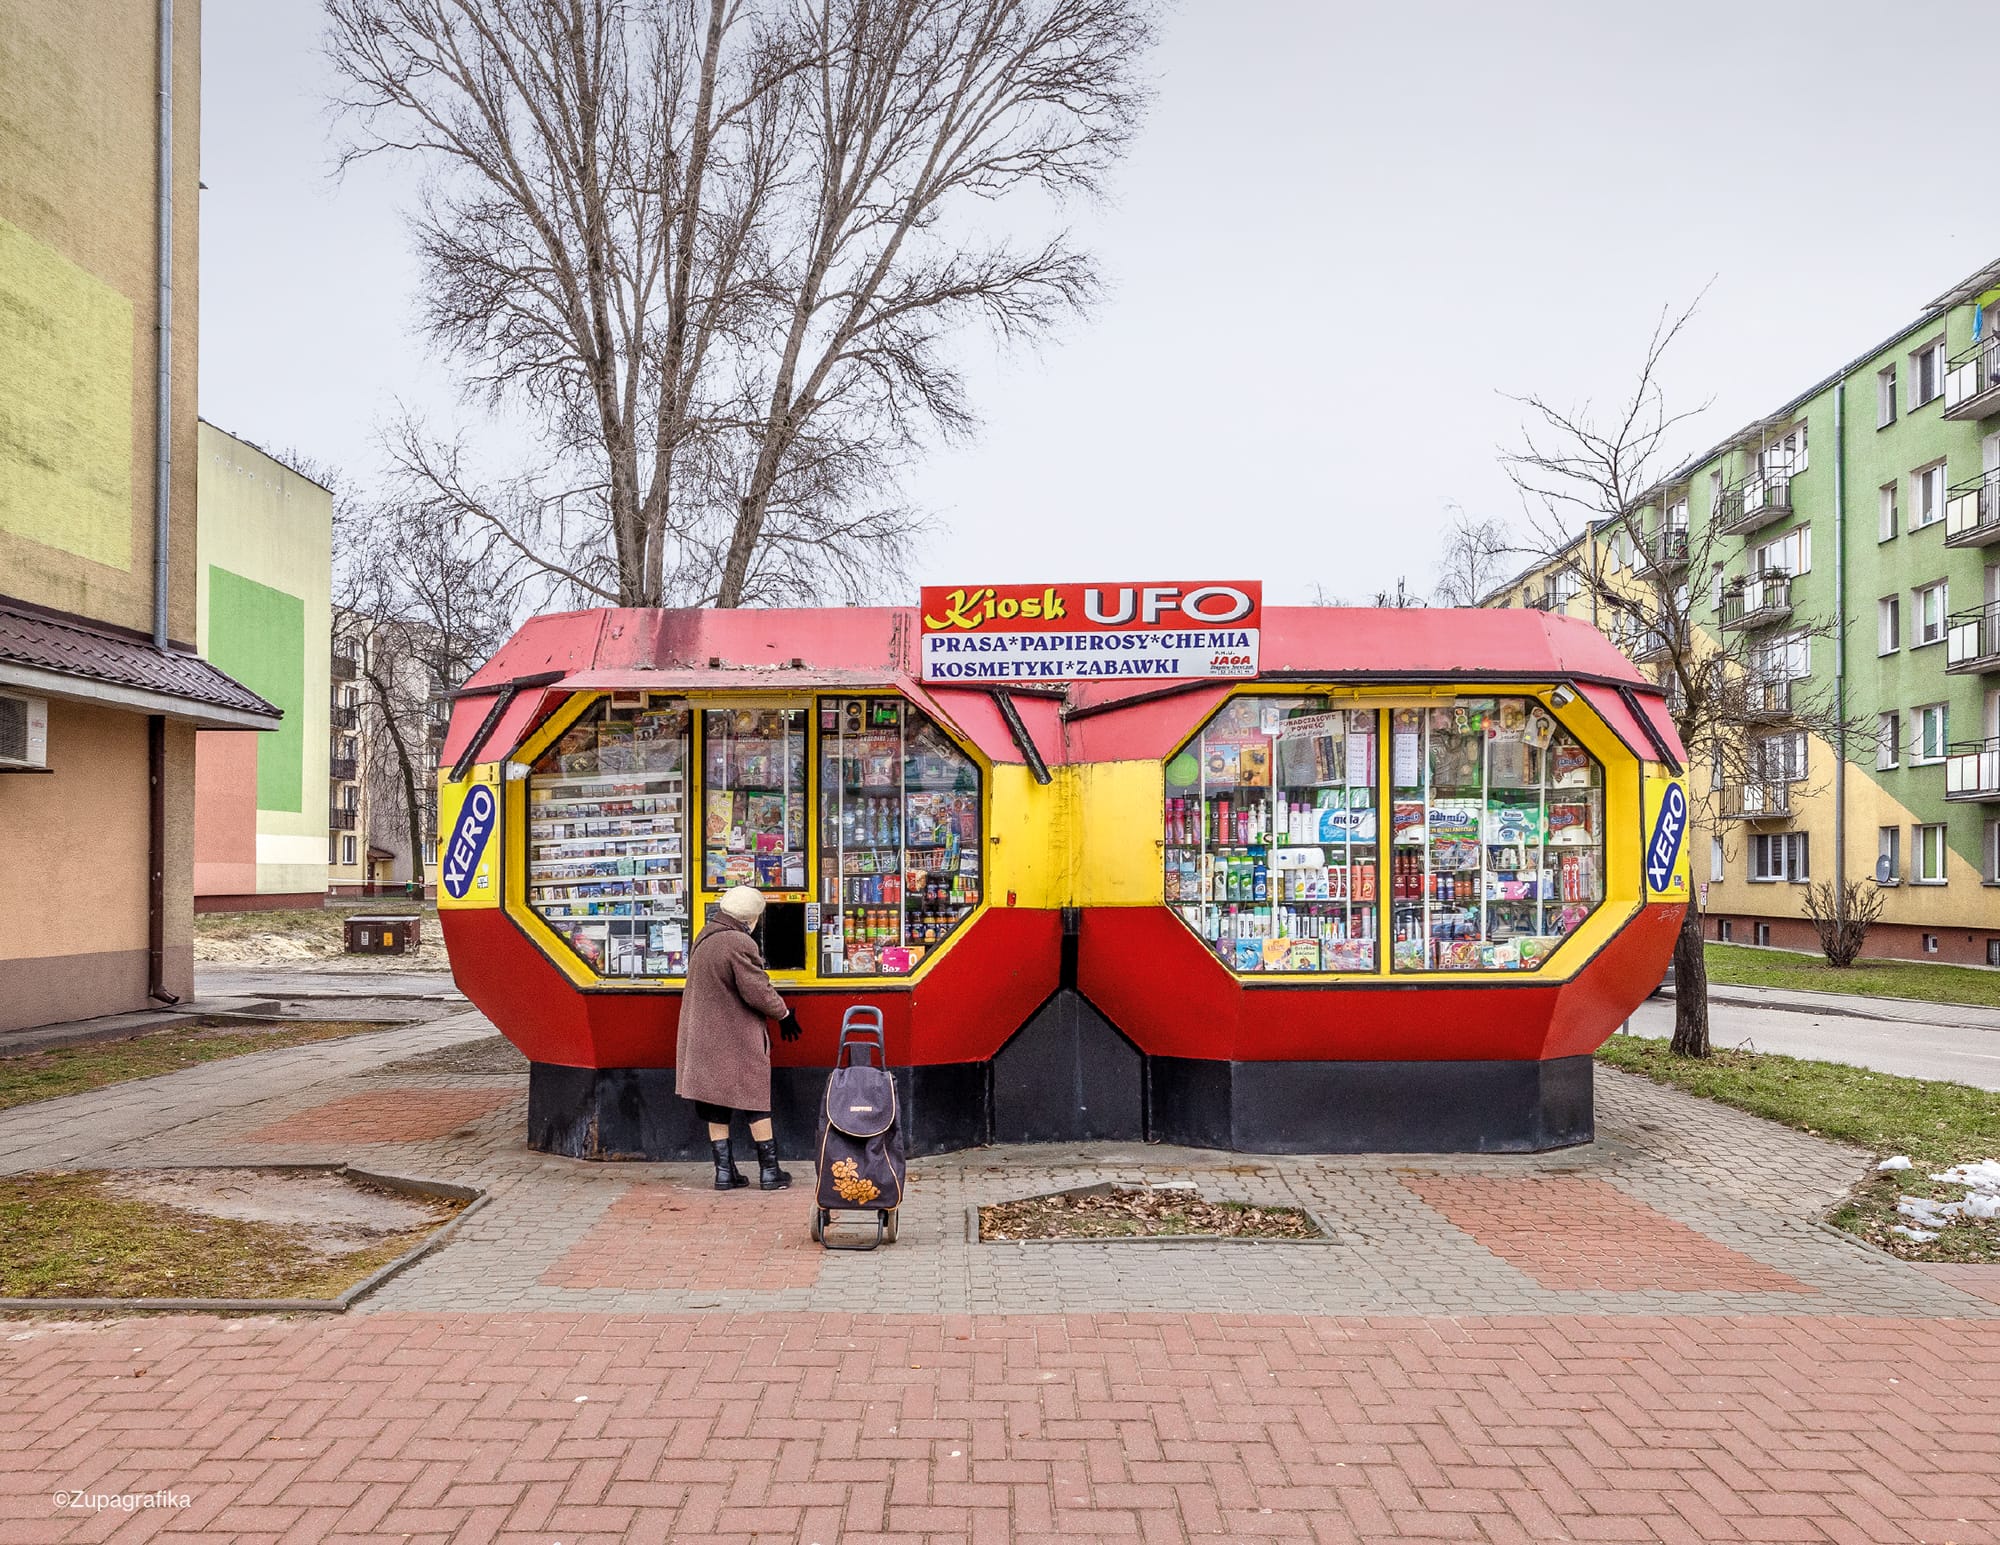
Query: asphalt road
(1962,1054)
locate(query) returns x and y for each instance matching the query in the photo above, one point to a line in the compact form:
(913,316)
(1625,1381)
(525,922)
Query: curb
(474,1199)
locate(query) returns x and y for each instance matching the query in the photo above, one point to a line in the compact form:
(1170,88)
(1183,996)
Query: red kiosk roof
(859,648)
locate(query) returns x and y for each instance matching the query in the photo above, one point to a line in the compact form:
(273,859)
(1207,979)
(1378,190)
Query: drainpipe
(163,465)
(1840,652)
(163,443)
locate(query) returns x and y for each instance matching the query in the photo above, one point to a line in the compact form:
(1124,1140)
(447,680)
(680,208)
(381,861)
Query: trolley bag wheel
(889,1221)
(819,1222)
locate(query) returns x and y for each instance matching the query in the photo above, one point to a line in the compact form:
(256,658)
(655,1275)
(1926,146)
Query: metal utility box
(382,935)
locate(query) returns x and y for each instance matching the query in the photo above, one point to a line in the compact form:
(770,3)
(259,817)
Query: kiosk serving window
(1496,819)
(899,848)
(607,834)
(1272,831)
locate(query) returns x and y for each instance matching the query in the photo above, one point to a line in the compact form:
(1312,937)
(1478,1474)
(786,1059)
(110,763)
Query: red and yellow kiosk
(1383,881)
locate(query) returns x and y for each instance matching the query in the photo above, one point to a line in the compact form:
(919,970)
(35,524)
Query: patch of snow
(1900,1161)
(1921,1235)
(1982,1176)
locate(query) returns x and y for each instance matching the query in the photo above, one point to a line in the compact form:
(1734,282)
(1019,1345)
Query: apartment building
(264,588)
(1852,540)
(101,690)
(383,668)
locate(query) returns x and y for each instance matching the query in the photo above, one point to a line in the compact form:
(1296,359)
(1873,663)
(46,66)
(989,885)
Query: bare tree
(419,609)
(711,252)
(1474,559)
(1841,920)
(1602,506)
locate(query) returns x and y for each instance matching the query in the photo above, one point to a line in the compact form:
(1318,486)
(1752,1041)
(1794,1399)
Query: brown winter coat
(723,1054)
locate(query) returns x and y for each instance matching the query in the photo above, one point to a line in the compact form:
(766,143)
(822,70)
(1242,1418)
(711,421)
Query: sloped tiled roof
(76,649)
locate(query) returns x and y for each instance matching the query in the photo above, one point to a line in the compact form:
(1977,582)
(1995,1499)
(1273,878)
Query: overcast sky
(1346,230)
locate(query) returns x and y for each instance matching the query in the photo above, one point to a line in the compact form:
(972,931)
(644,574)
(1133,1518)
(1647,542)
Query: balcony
(1756,601)
(1766,699)
(340,820)
(1972,770)
(1757,802)
(1545,602)
(343,769)
(1755,503)
(346,716)
(1972,381)
(1665,551)
(1972,640)
(343,667)
(1651,647)
(1972,512)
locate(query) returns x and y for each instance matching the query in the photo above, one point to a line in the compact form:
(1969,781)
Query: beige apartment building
(102,691)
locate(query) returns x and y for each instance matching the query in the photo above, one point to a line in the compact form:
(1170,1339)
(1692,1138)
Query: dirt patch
(331,1214)
(490,1056)
(1163,1212)
(315,936)
(187,1233)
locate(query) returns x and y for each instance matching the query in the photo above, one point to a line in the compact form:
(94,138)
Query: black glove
(788,1027)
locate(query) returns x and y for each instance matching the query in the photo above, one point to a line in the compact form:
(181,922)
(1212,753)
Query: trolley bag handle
(861,1031)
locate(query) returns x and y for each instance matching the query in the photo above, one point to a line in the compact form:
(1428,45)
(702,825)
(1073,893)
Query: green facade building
(1856,547)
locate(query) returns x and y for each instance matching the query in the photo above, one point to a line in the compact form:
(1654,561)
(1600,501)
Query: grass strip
(1936,1124)
(48,1075)
(1738,965)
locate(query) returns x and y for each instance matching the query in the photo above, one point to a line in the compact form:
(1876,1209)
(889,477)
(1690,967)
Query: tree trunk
(1690,988)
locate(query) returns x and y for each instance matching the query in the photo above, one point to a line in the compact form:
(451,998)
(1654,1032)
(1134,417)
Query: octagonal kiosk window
(1272,835)
(608,806)
(899,836)
(1496,835)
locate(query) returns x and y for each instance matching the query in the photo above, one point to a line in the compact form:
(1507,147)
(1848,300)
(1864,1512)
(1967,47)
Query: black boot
(727,1176)
(769,1176)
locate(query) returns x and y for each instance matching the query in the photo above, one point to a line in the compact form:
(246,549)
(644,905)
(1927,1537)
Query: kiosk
(1388,893)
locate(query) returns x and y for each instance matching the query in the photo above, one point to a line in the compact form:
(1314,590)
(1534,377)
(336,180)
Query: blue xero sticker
(1668,828)
(468,839)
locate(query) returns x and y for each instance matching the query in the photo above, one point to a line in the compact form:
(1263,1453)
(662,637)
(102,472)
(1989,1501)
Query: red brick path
(387,1116)
(662,1237)
(1149,1429)
(1571,1231)
(1983,1280)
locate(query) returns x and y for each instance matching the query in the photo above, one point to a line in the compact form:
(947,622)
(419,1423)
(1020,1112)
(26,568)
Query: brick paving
(863,1429)
(1649,1338)
(1574,1231)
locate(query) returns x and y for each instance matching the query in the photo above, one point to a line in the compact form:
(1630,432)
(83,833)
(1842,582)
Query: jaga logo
(1668,829)
(468,839)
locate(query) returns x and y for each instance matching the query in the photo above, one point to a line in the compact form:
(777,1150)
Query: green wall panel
(258,635)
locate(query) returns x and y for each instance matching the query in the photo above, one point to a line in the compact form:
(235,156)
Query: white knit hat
(744,903)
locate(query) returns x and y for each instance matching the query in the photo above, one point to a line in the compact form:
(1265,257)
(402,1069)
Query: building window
(1930,944)
(1785,454)
(1763,935)
(1930,855)
(1993,952)
(1779,758)
(1927,373)
(1887,497)
(1789,554)
(347,852)
(1928,731)
(333,850)
(1927,496)
(1889,855)
(1929,607)
(1723,933)
(1888,740)
(1990,854)
(1778,856)
(1715,589)
(1888,624)
(1885,397)
(1715,865)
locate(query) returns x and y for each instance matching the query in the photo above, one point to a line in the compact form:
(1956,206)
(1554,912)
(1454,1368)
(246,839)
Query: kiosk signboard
(1001,633)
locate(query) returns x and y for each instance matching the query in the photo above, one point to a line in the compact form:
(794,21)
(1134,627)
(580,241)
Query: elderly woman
(723,1058)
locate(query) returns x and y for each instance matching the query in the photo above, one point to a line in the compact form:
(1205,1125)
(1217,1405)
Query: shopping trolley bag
(861,1163)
